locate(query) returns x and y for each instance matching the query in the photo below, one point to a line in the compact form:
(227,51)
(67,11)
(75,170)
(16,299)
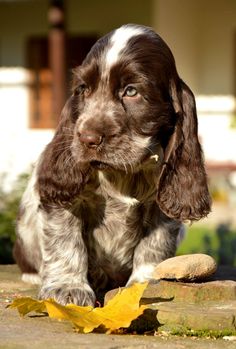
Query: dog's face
(122,107)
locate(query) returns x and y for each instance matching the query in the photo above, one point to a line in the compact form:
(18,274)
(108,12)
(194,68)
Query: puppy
(107,198)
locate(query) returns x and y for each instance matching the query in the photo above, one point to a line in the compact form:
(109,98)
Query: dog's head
(128,101)
(121,92)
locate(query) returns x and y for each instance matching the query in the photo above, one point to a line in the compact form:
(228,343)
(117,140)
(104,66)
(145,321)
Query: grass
(214,334)
(194,241)
(218,242)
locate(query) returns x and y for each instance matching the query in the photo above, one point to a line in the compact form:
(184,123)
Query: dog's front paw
(141,273)
(82,295)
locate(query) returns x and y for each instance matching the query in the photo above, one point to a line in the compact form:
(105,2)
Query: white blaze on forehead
(119,40)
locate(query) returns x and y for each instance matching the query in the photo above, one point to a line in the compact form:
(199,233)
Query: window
(41,113)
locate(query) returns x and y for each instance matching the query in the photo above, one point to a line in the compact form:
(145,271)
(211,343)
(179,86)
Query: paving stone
(40,331)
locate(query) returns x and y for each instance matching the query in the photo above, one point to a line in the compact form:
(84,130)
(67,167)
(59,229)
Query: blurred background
(42,40)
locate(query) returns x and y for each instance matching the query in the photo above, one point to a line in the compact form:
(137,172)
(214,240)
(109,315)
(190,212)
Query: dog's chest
(113,223)
(114,232)
(114,210)
(120,231)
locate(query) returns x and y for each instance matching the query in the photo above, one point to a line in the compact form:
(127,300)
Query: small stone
(229,338)
(186,267)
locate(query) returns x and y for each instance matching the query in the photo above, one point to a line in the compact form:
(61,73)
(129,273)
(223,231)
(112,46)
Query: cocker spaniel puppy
(108,196)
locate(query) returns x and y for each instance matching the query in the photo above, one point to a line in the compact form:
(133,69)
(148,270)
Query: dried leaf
(119,312)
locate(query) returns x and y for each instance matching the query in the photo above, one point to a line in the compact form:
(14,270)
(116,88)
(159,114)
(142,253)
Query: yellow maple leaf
(119,312)
(26,305)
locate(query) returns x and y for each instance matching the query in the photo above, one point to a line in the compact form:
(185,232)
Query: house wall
(200,33)
(201,36)
(20,19)
(20,146)
(104,15)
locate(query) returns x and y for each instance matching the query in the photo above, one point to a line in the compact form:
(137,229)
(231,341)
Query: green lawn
(220,243)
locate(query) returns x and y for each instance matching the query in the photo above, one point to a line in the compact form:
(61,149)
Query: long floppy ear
(59,176)
(182,190)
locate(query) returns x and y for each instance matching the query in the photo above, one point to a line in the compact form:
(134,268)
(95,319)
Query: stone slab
(207,316)
(202,306)
(222,290)
(170,291)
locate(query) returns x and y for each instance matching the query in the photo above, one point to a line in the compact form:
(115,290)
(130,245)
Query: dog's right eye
(81,89)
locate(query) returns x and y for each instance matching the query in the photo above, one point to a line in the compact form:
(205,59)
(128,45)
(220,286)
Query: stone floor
(202,306)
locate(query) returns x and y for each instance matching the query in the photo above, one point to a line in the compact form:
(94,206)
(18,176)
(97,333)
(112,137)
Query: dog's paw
(140,274)
(82,295)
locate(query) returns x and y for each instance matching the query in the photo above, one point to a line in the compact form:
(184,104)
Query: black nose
(90,139)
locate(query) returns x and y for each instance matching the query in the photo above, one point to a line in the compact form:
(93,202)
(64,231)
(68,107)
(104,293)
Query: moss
(201,333)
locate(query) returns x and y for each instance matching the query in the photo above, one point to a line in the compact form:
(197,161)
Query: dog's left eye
(130,91)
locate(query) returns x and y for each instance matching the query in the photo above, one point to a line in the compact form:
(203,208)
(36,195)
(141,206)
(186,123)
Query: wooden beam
(57,56)
(214,166)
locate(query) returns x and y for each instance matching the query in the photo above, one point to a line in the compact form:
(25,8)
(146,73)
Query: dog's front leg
(159,244)
(65,261)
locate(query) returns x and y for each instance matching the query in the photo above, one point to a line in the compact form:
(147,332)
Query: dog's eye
(130,91)
(81,89)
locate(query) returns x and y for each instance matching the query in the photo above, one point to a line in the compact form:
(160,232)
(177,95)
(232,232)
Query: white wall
(19,145)
(215,128)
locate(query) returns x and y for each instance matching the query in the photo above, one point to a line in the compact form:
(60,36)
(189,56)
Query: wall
(104,15)
(200,33)
(201,36)
(20,19)
(176,22)
(19,146)
(217,20)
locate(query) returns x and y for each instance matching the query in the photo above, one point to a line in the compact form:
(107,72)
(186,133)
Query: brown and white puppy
(108,196)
